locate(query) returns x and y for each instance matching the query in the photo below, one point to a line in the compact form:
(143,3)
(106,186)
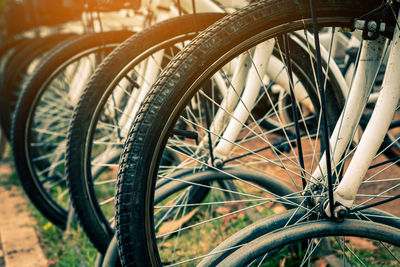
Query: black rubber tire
(136,179)
(6,52)
(310,230)
(275,222)
(11,49)
(15,70)
(11,44)
(26,106)
(3,143)
(111,258)
(9,52)
(80,180)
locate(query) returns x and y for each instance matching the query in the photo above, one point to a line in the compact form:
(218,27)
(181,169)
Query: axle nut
(340,212)
(218,163)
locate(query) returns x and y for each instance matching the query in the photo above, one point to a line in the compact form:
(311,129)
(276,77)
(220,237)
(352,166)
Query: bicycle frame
(370,59)
(377,126)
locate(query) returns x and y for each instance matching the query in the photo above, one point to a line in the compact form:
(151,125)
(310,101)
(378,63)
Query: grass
(61,249)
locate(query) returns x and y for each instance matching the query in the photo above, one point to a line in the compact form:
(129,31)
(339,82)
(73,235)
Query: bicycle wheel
(350,243)
(185,113)
(16,74)
(42,117)
(282,220)
(100,121)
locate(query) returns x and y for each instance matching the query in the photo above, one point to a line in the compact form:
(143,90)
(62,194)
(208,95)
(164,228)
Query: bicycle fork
(374,134)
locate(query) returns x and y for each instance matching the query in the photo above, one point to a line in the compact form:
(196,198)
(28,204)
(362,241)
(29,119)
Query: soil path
(19,246)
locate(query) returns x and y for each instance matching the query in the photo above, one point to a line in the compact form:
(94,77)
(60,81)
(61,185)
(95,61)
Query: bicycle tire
(8,49)
(3,143)
(310,231)
(6,52)
(278,221)
(15,71)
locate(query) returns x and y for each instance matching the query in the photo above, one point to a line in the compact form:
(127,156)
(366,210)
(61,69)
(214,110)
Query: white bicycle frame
(368,66)
(378,124)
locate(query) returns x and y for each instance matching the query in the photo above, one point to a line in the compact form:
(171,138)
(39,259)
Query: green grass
(61,248)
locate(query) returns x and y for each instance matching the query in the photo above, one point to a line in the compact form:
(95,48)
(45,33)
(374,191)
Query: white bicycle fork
(376,129)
